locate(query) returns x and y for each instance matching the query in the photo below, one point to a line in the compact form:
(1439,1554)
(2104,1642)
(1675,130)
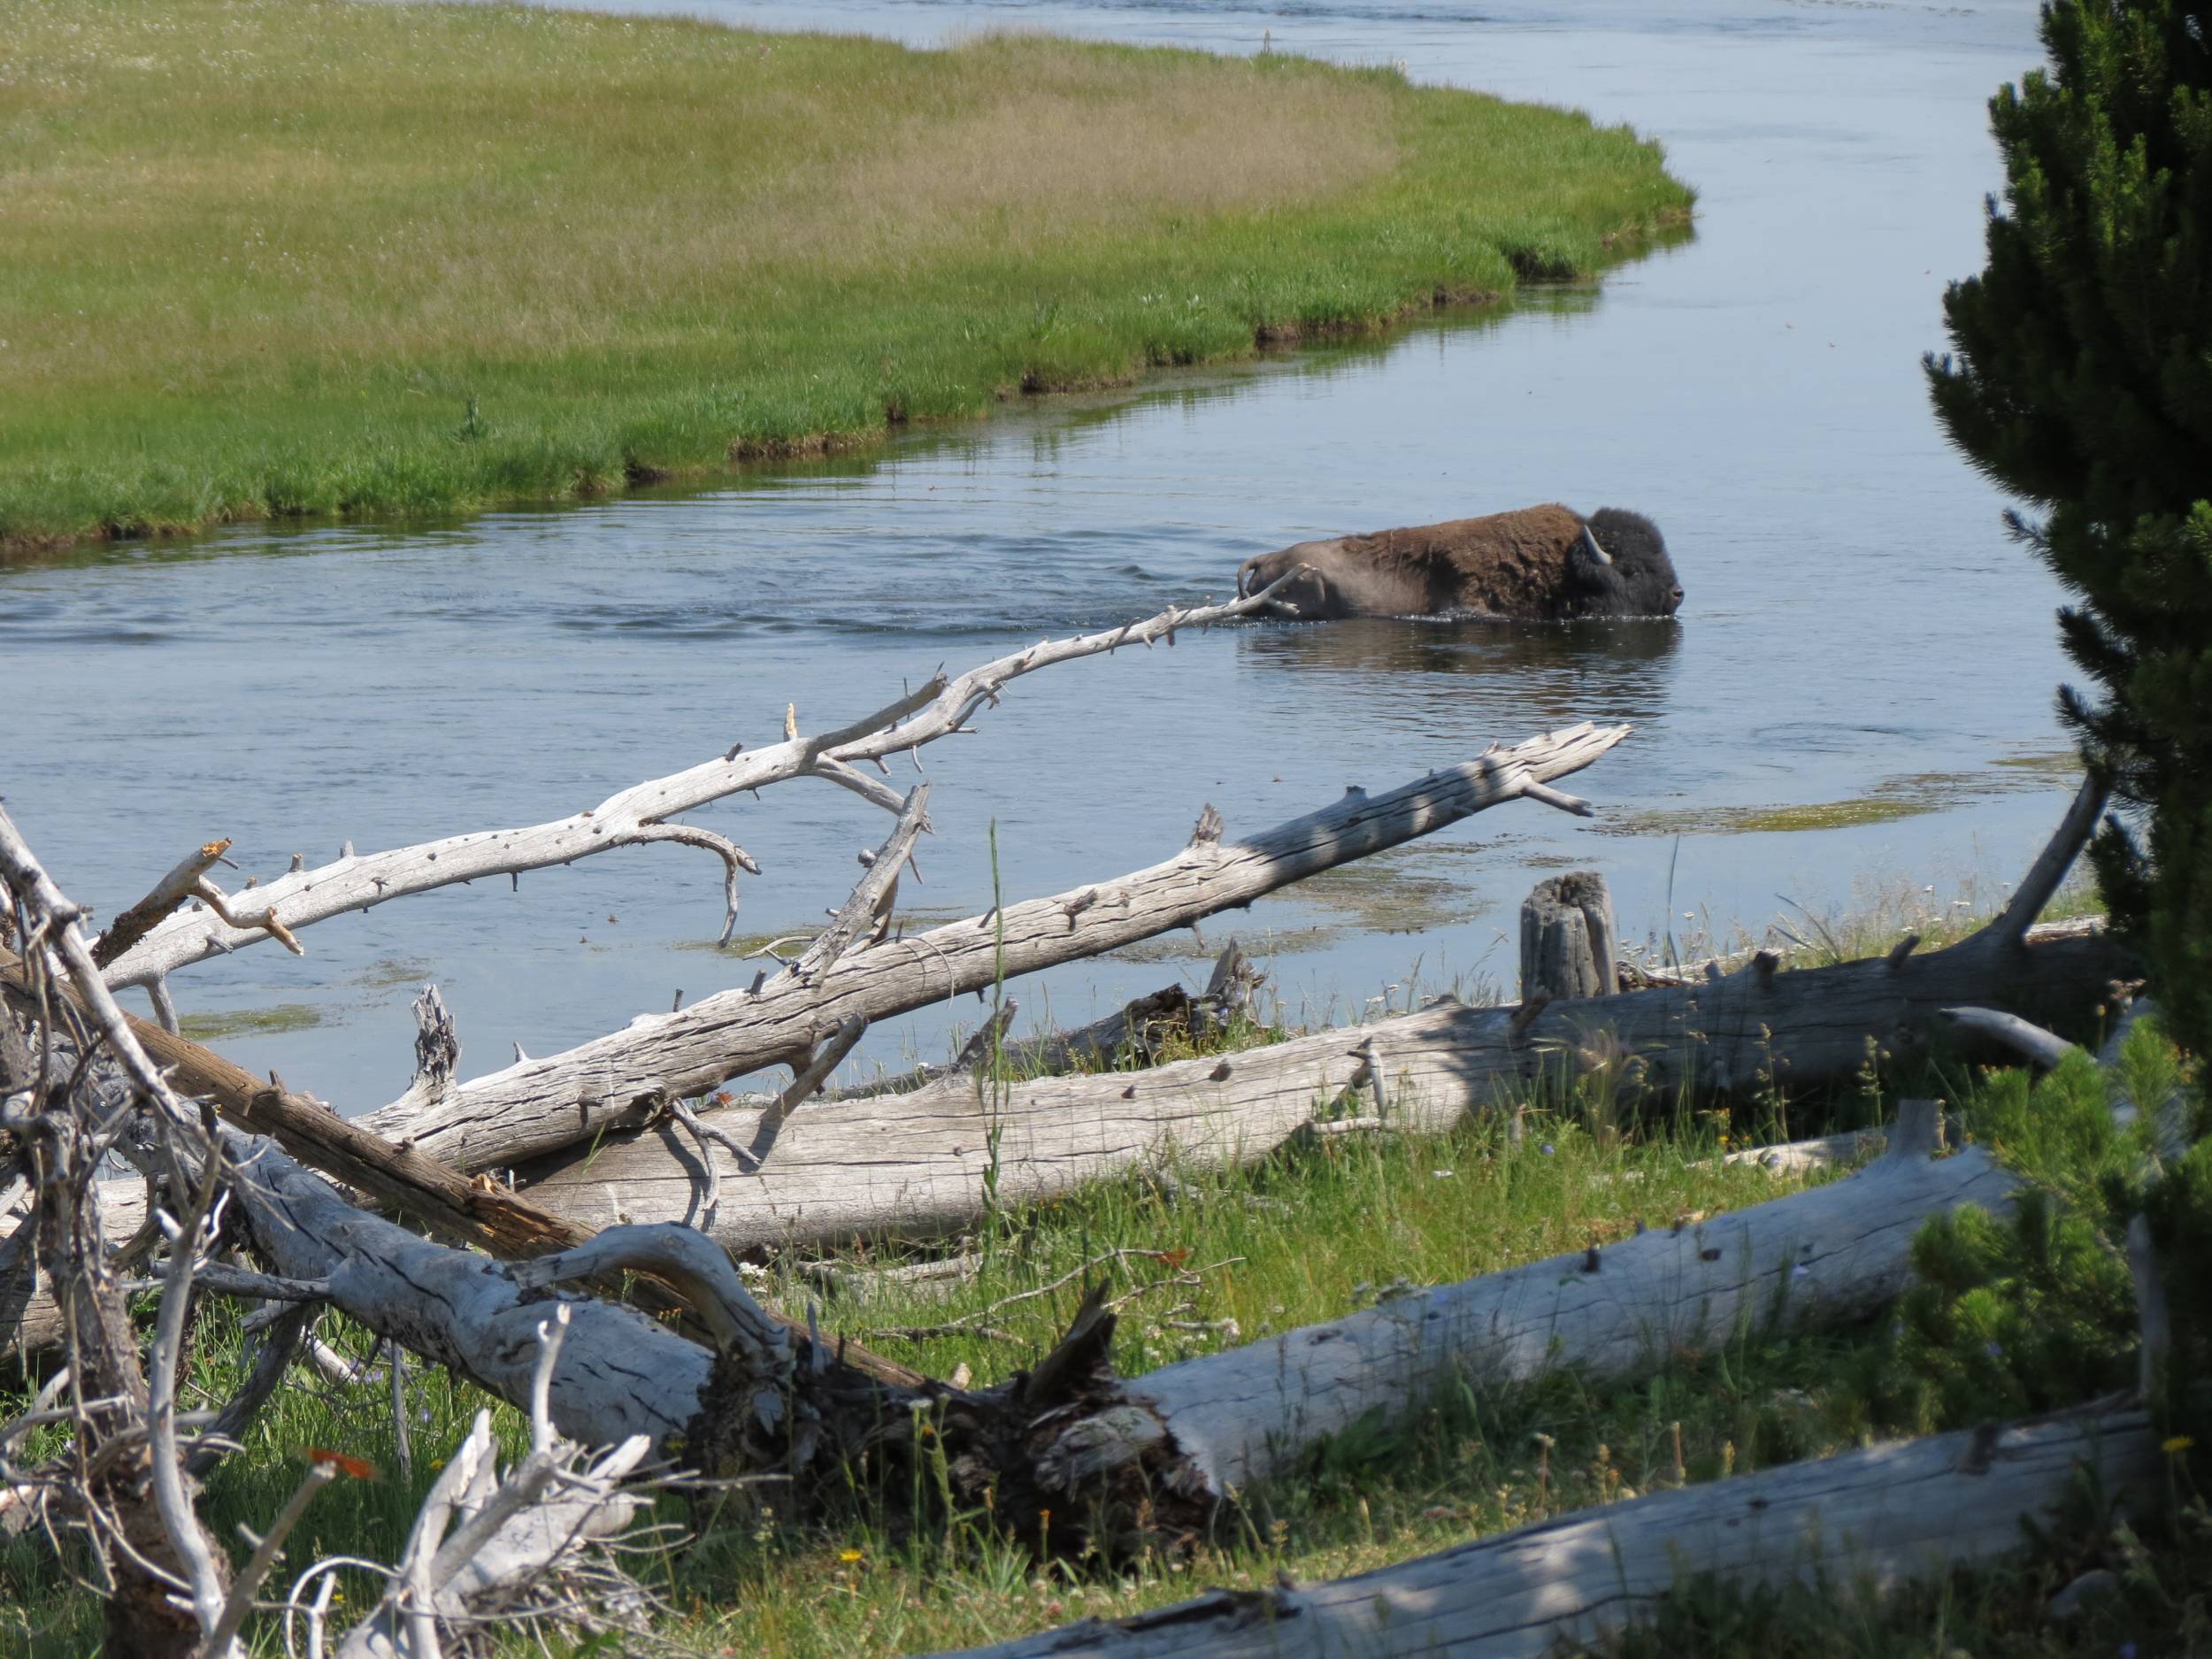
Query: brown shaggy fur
(1507,563)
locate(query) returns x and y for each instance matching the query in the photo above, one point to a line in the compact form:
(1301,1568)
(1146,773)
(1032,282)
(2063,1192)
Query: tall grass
(310,256)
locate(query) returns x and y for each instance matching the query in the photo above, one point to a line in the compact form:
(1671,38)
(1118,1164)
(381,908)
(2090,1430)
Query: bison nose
(1678,595)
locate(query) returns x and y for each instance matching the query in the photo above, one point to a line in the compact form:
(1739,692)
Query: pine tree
(2082,381)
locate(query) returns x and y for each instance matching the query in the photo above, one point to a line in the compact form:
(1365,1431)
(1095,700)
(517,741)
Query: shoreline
(424,260)
(1277,339)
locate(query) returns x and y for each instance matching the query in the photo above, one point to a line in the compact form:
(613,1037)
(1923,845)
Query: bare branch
(2011,924)
(804,1083)
(174,889)
(265,1556)
(634,815)
(733,858)
(2022,1037)
(870,895)
(266,922)
(626,1077)
(280,1345)
(700,1271)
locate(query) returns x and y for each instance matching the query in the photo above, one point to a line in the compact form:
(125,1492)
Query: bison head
(1620,568)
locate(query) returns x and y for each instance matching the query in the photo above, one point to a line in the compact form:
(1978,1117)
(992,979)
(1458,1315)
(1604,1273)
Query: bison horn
(1596,552)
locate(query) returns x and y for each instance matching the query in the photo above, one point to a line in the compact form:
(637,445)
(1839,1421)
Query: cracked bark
(913,1165)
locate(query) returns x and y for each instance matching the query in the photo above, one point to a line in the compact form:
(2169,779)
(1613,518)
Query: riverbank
(1203,1259)
(276,260)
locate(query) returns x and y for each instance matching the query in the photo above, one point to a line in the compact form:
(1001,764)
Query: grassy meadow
(314,257)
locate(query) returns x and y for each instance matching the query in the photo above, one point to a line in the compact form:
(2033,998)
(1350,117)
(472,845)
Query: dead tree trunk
(150,941)
(540,1106)
(1827,1258)
(914,1165)
(1880,1516)
(1570,945)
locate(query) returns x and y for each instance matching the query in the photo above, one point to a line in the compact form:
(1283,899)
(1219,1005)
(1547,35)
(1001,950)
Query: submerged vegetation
(277,258)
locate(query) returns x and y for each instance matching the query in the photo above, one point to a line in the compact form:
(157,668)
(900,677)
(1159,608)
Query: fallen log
(480,1212)
(1065,1448)
(915,1165)
(1185,1437)
(1877,1516)
(541,1106)
(1827,1258)
(149,943)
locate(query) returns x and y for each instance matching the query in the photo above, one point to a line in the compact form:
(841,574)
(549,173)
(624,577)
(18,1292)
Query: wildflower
(1995,1350)
(849,1555)
(2175,1446)
(1548,1148)
(1441,1175)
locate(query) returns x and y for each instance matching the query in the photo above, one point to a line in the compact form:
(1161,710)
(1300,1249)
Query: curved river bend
(1858,630)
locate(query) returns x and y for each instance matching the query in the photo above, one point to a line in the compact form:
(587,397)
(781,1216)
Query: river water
(1857,630)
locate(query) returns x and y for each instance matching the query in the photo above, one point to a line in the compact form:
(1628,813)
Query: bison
(1539,565)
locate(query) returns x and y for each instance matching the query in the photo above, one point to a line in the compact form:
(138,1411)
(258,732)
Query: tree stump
(1568,939)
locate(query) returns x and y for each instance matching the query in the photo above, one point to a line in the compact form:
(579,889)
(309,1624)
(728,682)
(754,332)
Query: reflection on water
(1505,673)
(1855,615)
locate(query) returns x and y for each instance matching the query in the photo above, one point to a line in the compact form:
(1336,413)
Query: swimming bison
(1538,564)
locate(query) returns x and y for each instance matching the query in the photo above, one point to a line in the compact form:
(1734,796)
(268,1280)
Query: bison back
(1503,564)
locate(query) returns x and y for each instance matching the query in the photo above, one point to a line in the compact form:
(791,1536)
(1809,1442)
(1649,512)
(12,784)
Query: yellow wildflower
(850,1555)
(2177,1445)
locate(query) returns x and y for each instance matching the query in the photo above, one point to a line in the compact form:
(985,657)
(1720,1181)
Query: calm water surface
(1856,627)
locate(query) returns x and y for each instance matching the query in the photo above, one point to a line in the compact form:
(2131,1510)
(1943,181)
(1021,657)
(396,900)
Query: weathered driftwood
(516,1548)
(1569,944)
(1189,1434)
(1066,1437)
(482,1213)
(124,1485)
(638,816)
(541,1106)
(914,1165)
(619,1372)
(1828,1256)
(1877,1516)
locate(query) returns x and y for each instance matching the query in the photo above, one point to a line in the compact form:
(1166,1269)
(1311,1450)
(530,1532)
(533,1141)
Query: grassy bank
(267,257)
(1214,1257)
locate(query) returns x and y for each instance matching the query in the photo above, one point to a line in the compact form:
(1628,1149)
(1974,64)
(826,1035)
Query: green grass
(291,258)
(1309,1236)
(1214,1258)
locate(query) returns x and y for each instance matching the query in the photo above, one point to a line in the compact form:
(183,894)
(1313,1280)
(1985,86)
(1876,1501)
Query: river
(1859,634)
